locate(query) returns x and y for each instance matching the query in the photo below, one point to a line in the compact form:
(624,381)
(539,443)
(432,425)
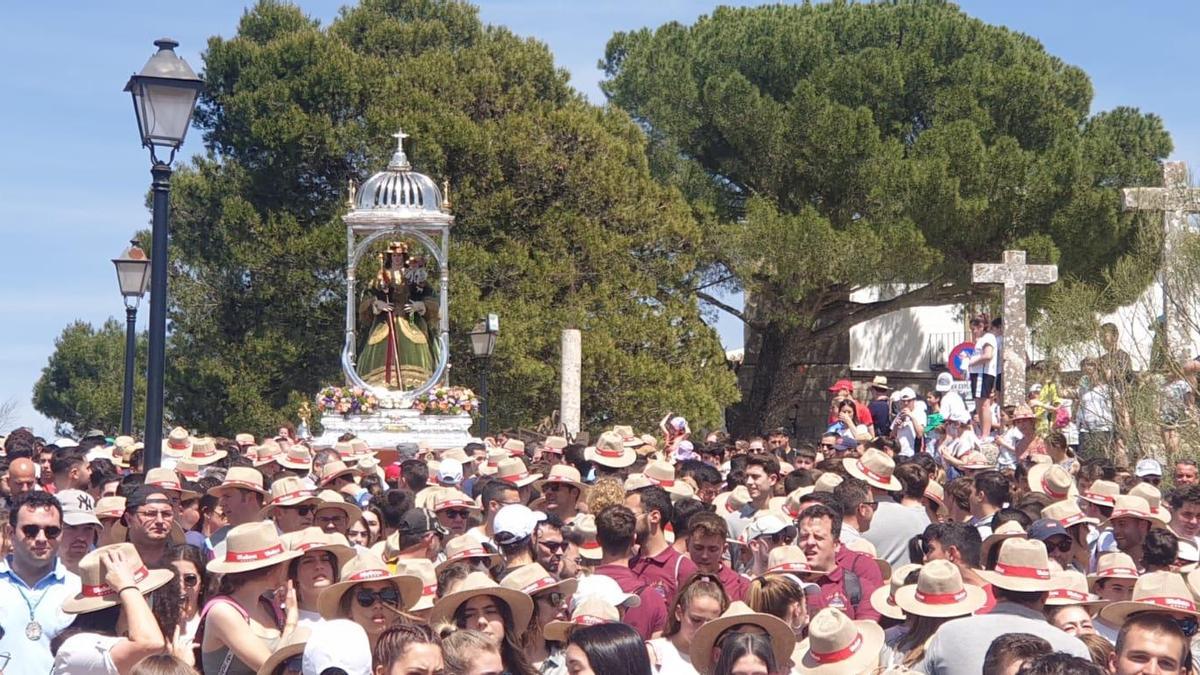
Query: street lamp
(132,277)
(483,343)
(164,96)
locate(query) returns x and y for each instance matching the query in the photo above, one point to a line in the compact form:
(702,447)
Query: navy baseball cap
(1045,528)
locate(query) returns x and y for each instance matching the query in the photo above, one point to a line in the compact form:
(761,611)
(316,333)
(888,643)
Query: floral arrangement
(447,401)
(346,401)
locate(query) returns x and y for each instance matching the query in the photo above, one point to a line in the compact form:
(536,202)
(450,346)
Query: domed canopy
(398,193)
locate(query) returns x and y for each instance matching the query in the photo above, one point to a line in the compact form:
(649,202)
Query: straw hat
(316,539)
(294,646)
(628,438)
(244,440)
(166,479)
(783,640)
(732,501)
(184,467)
(450,498)
(492,463)
(1153,498)
(297,457)
(1115,565)
(1023,412)
(1101,493)
(268,452)
(110,507)
(826,482)
(240,478)
(880,382)
(362,449)
(1132,506)
(345,451)
(1052,480)
(1067,514)
(515,448)
(883,600)
(611,451)
(204,451)
(662,474)
(1072,589)
(333,500)
(364,568)
(874,467)
(335,469)
(177,443)
(791,503)
(422,569)
(479,584)
(1153,592)
(593,611)
(585,525)
(940,592)
(554,444)
(467,547)
(976,461)
(1022,566)
(934,491)
(95,594)
(563,474)
(288,491)
(789,559)
(514,471)
(838,646)
(1007,530)
(252,546)
(534,579)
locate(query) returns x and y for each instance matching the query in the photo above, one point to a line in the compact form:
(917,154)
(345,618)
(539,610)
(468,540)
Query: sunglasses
(31,531)
(191,580)
(1063,546)
(303,509)
(554,546)
(388,596)
(457,513)
(553,598)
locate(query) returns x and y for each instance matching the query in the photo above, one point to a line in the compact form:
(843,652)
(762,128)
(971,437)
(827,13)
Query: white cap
(765,525)
(1148,467)
(515,522)
(1188,550)
(77,508)
(907,394)
(64,442)
(605,588)
(339,643)
(945,382)
(450,472)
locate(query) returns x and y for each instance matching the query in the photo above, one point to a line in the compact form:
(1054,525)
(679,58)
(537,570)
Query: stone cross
(1015,275)
(572,360)
(1176,199)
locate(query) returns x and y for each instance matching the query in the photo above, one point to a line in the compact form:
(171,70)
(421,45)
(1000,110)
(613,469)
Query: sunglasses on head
(31,531)
(366,598)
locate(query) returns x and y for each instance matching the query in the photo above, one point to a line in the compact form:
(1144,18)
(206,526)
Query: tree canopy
(874,144)
(81,385)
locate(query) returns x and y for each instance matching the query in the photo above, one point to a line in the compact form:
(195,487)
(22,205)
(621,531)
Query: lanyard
(32,606)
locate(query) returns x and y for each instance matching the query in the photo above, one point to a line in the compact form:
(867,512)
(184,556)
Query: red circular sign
(957,363)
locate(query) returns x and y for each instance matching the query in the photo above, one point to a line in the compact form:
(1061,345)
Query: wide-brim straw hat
(874,467)
(479,584)
(593,611)
(288,491)
(610,451)
(662,474)
(628,437)
(1132,506)
(585,525)
(204,451)
(166,479)
(935,492)
(364,568)
(1153,592)
(534,579)
(244,439)
(294,646)
(1068,514)
(732,501)
(315,539)
(1052,480)
(555,444)
(95,594)
(1101,493)
(331,499)
(452,498)
(976,461)
(789,559)
(783,640)
(110,507)
(240,478)
(335,469)
(252,546)
(883,599)
(1023,565)
(1023,412)
(836,645)
(1007,530)
(1114,565)
(515,447)
(491,462)
(514,472)
(940,592)
(177,443)
(297,457)
(467,547)
(422,569)
(1153,497)
(1072,589)
(563,474)
(268,452)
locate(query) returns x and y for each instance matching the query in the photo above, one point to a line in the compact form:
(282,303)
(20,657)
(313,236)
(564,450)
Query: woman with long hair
(699,600)
(501,613)
(369,594)
(746,654)
(359,533)
(716,640)
(608,649)
(188,562)
(317,569)
(1061,453)
(781,596)
(408,649)
(470,652)
(549,597)
(938,596)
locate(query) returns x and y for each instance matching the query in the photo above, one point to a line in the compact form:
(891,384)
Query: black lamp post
(483,343)
(132,268)
(164,96)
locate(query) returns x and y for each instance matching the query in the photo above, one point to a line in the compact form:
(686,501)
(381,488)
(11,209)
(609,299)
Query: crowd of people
(917,535)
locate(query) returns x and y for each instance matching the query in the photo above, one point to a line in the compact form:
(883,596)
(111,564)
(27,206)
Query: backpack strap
(853,586)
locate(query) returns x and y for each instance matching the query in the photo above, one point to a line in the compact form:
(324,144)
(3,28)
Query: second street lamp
(133,278)
(483,343)
(164,96)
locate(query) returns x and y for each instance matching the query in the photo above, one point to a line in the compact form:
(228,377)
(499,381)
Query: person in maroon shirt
(707,534)
(657,561)
(615,531)
(855,576)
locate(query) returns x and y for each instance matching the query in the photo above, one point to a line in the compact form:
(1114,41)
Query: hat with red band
(1022,565)
(593,611)
(423,569)
(838,646)
(534,579)
(1114,565)
(1132,506)
(585,525)
(1067,514)
(884,597)
(364,568)
(874,467)
(1153,497)
(315,539)
(1072,589)
(467,547)
(783,640)
(480,584)
(1052,480)
(1153,592)
(940,593)
(95,593)
(562,474)
(167,479)
(1101,493)
(514,471)
(240,478)
(252,546)
(288,491)
(610,451)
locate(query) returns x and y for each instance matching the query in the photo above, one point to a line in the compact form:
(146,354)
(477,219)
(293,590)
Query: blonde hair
(773,594)
(606,492)
(460,646)
(699,585)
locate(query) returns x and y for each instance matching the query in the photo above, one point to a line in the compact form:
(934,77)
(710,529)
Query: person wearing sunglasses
(292,505)
(188,562)
(1059,544)
(549,602)
(369,594)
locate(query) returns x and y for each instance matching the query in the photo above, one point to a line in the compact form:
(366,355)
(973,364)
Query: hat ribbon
(249,556)
(941,598)
(290,495)
(790,567)
(1098,496)
(203,450)
(178,444)
(544,582)
(871,474)
(1170,602)
(589,620)
(1114,571)
(516,477)
(431,589)
(451,503)
(166,485)
(1022,571)
(1052,492)
(661,483)
(471,553)
(367,575)
(840,654)
(1133,513)
(102,590)
(590,545)
(1068,594)
(607,452)
(1072,519)
(243,484)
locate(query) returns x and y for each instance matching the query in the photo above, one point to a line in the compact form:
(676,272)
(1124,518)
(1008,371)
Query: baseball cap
(604,588)
(945,381)
(64,442)
(764,526)
(515,522)
(407,451)
(1045,528)
(391,472)
(842,384)
(340,644)
(907,394)
(418,521)
(450,472)
(144,495)
(1148,467)
(77,508)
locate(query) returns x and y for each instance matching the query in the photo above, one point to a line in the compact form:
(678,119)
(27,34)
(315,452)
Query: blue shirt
(47,596)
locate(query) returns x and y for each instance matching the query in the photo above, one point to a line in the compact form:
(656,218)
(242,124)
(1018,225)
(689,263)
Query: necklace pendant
(33,631)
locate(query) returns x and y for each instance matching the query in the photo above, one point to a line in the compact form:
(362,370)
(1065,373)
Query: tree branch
(731,310)
(935,292)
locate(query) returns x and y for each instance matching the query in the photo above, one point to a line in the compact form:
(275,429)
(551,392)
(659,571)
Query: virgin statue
(401,311)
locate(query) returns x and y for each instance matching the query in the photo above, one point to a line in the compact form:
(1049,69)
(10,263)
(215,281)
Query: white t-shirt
(986,367)
(86,654)
(670,660)
(1007,459)
(906,433)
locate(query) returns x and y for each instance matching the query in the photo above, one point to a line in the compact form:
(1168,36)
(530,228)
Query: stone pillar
(572,364)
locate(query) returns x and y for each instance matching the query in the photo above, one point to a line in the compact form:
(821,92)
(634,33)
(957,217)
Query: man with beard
(561,488)
(1130,522)
(550,544)
(71,471)
(657,561)
(149,517)
(81,528)
(34,583)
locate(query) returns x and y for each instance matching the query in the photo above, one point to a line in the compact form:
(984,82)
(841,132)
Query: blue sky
(73,176)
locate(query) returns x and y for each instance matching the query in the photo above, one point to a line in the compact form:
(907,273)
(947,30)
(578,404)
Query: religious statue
(400,311)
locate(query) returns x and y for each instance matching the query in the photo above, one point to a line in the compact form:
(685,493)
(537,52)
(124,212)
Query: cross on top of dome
(399,159)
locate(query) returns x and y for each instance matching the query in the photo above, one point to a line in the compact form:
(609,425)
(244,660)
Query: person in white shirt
(909,423)
(982,368)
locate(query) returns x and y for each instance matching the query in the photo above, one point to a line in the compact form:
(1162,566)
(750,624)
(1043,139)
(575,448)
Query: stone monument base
(387,427)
